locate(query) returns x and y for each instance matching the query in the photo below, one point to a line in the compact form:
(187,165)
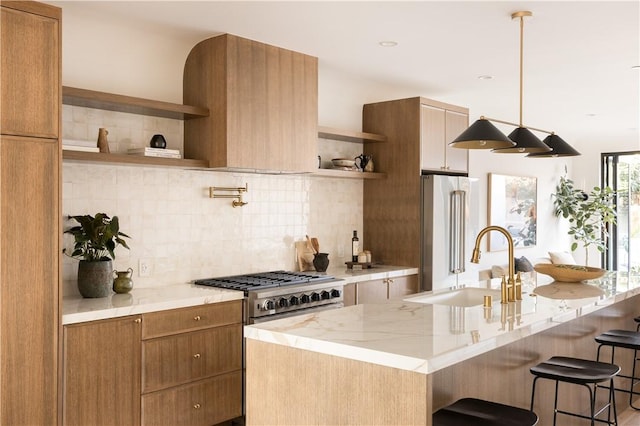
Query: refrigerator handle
(457,231)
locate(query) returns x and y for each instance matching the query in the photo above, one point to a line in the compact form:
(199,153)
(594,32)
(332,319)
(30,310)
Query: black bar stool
(580,372)
(477,412)
(625,339)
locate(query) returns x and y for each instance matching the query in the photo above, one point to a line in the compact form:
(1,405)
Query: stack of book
(156,152)
(76,145)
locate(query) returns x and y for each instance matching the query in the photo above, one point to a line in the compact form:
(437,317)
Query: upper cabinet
(440,125)
(263,104)
(30,64)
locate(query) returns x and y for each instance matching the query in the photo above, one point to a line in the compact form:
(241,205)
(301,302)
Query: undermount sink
(463,297)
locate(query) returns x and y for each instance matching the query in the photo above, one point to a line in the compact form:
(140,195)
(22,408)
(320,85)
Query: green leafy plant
(588,214)
(96,237)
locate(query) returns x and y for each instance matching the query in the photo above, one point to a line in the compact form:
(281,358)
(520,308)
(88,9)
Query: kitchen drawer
(175,360)
(205,402)
(163,323)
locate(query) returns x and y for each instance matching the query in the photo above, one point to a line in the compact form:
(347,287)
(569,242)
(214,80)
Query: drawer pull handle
(197,356)
(137,320)
(196,318)
(196,406)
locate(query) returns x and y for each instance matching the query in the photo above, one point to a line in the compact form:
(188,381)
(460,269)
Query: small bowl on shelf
(569,273)
(343,163)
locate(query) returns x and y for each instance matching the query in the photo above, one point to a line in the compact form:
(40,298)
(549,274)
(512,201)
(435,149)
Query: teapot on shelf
(364,162)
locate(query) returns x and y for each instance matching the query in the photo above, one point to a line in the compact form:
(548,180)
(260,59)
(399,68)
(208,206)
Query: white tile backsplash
(183,233)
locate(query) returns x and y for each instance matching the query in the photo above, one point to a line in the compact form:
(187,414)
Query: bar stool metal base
(477,412)
(581,372)
(625,339)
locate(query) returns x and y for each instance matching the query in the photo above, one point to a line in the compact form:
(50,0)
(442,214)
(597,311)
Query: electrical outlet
(144,267)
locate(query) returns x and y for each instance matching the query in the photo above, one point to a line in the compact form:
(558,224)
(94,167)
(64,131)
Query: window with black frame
(621,171)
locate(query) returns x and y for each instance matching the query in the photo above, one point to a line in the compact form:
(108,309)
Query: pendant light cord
(521,64)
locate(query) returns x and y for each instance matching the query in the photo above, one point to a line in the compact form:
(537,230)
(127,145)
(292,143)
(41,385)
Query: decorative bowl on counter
(569,273)
(343,162)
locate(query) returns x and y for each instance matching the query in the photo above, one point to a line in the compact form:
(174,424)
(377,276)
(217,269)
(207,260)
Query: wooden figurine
(103,144)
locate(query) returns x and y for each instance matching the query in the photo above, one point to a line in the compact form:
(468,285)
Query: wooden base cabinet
(376,291)
(102,372)
(176,367)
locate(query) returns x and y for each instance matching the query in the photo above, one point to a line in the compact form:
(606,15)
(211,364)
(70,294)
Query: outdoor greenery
(588,214)
(96,237)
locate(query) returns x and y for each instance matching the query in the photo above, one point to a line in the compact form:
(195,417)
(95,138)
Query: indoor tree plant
(588,214)
(95,240)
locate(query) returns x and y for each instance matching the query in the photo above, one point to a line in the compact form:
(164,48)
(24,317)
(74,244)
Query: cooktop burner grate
(263,280)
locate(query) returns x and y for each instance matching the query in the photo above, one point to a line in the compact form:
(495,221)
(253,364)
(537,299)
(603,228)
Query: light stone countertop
(425,338)
(76,309)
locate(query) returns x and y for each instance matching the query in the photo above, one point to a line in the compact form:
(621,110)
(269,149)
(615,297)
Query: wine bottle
(355,247)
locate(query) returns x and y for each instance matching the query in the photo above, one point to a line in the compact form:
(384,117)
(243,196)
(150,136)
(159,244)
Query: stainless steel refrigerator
(449,227)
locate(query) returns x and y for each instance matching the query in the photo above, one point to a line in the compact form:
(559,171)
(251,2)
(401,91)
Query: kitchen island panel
(315,388)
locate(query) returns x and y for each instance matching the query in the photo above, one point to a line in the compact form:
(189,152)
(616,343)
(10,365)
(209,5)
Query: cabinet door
(29,224)
(402,286)
(373,291)
(29,81)
(432,133)
(455,158)
(349,294)
(102,373)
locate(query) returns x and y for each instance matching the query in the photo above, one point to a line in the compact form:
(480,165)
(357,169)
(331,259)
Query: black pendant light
(559,148)
(482,135)
(525,141)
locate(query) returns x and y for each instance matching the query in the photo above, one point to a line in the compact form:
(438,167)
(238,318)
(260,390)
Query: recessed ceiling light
(388,43)
(485,77)
(591,114)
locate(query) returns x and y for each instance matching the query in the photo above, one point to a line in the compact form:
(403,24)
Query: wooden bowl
(569,273)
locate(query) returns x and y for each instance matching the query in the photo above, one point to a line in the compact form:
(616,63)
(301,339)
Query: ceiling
(578,56)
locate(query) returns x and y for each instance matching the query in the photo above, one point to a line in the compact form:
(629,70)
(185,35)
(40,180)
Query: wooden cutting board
(304,255)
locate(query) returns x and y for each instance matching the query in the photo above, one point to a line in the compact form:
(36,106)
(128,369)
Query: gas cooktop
(264,280)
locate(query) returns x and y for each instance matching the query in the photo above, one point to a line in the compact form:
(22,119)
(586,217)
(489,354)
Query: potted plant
(588,214)
(95,241)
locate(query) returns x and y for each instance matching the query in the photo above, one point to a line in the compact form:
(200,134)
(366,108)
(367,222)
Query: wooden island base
(290,386)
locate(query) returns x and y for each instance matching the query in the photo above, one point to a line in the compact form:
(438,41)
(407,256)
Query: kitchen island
(397,362)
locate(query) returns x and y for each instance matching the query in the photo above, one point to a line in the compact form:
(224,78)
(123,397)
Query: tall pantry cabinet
(418,131)
(30,97)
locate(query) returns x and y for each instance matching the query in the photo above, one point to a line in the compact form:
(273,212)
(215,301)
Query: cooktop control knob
(269,305)
(283,302)
(335,293)
(315,296)
(294,300)
(325,295)
(305,298)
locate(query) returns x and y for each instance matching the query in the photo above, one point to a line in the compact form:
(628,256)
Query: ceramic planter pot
(95,279)
(321,261)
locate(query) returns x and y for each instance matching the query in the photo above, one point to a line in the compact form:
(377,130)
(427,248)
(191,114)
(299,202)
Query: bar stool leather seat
(625,339)
(478,412)
(581,372)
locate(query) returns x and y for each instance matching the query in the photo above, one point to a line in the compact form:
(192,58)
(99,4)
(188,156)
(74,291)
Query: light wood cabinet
(29,212)
(192,365)
(392,206)
(440,126)
(181,366)
(102,372)
(30,63)
(376,291)
(263,104)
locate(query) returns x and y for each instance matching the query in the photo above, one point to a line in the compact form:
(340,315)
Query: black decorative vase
(321,261)
(95,279)
(158,141)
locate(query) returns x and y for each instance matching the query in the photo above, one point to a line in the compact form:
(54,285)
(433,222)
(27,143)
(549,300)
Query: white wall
(148,62)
